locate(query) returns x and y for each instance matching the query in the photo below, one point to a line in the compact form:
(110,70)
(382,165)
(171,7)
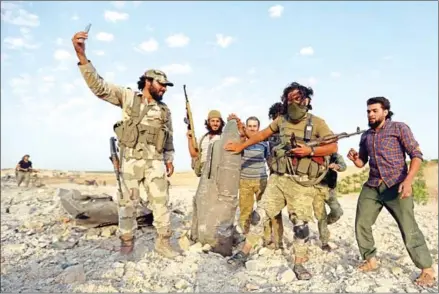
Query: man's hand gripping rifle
(189,120)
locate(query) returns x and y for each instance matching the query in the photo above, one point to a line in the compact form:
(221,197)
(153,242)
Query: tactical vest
(131,132)
(315,168)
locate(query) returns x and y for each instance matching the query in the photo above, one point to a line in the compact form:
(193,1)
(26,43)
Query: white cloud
(177,69)
(228,81)
(149,28)
(19,43)
(24,31)
(388,57)
(23,42)
(251,71)
(120,67)
(136,3)
(103,36)
(11,13)
(115,16)
(276,11)
(59,41)
(224,41)
(99,52)
(21,82)
(335,74)
(150,45)
(307,51)
(308,82)
(177,40)
(118,4)
(49,79)
(109,76)
(67,87)
(61,54)
(74,17)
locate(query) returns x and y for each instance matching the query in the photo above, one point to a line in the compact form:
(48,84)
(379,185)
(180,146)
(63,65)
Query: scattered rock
(206,248)
(263,251)
(181,284)
(254,265)
(107,232)
(286,276)
(72,275)
(197,247)
(184,243)
(251,287)
(397,271)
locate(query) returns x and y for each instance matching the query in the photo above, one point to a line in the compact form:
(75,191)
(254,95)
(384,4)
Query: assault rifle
(322,141)
(116,164)
(189,120)
(334,138)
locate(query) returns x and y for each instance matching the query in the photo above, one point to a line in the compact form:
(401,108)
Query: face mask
(296,111)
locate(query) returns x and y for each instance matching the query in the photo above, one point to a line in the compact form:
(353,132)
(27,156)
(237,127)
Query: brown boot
(126,244)
(164,248)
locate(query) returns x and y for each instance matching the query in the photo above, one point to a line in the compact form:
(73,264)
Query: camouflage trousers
(21,177)
(283,190)
(324,196)
(249,189)
(145,179)
(320,198)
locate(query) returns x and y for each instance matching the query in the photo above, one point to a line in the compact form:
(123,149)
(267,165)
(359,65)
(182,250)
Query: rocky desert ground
(43,250)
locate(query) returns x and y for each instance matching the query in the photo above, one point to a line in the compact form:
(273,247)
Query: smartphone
(87,28)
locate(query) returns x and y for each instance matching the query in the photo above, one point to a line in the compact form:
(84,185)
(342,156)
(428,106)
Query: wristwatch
(312,151)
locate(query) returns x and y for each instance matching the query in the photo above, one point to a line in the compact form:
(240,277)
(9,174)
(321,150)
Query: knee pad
(255,218)
(301,231)
(258,216)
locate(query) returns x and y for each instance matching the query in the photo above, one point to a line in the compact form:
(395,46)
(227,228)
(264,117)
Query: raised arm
(106,91)
(192,149)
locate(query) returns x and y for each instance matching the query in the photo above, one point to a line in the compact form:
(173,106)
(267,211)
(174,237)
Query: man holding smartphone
(390,185)
(146,145)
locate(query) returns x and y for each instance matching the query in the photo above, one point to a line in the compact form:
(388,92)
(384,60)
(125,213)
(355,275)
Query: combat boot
(164,248)
(126,244)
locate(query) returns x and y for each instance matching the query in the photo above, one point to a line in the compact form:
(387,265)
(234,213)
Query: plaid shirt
(385,150)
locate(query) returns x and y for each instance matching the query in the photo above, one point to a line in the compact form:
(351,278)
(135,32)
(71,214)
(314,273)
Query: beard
(155,94)
(375,124)
(213,132)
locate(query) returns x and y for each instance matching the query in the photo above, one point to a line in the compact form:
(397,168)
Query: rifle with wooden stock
(189,120)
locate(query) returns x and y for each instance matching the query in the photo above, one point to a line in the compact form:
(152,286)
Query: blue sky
(233,56)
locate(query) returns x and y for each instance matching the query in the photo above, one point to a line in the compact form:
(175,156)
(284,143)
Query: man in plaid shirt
(384,146)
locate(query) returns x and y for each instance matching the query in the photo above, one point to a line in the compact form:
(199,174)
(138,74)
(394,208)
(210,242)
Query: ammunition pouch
(279,162)
(314,168)
(151,135)
(127,132)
